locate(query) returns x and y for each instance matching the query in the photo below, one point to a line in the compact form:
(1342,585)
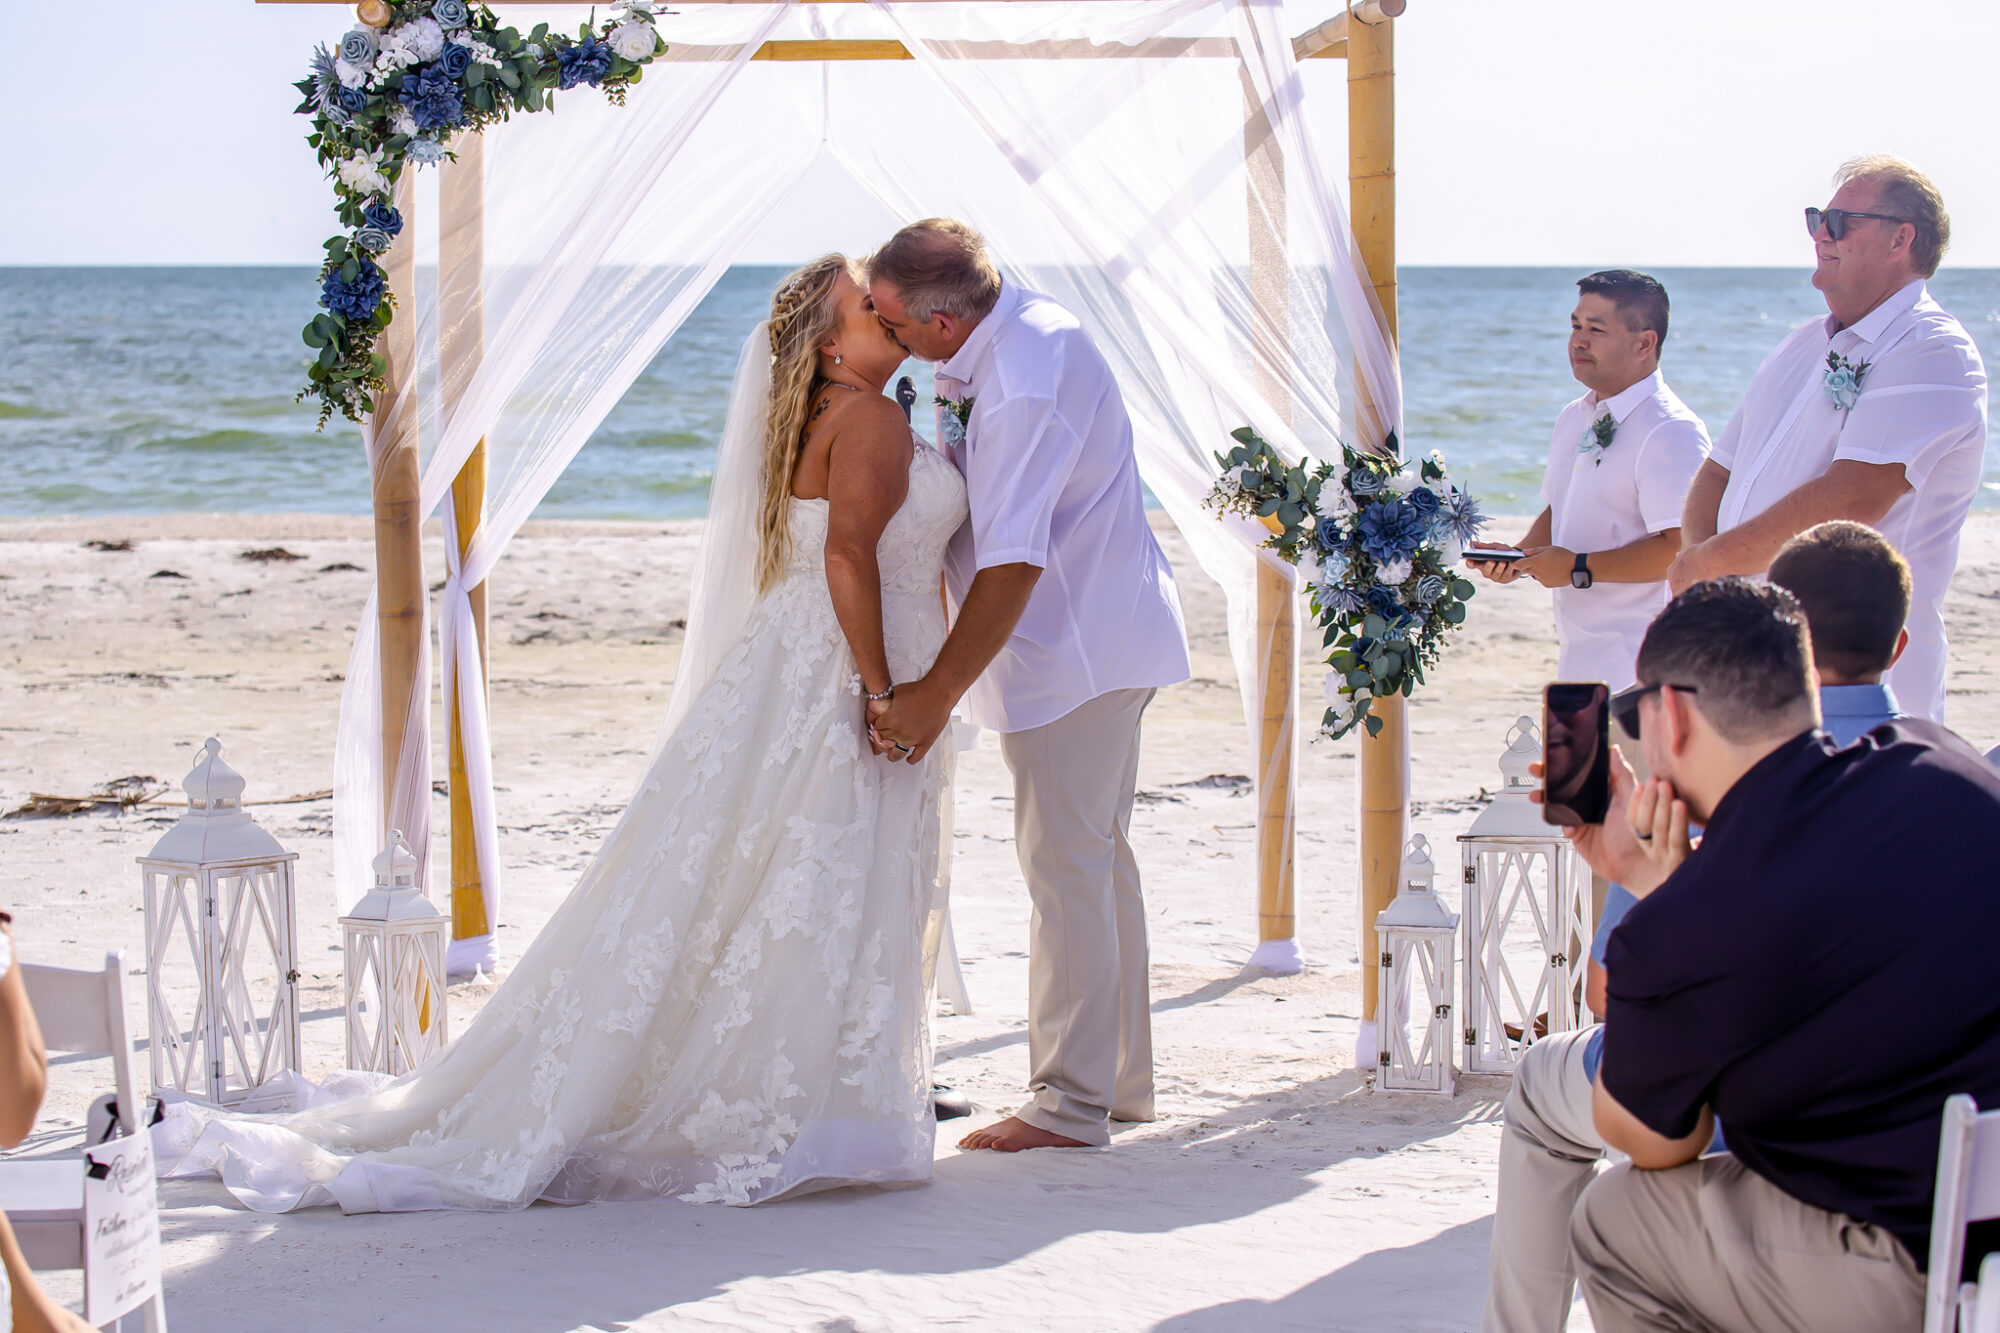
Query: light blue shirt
(1847,713)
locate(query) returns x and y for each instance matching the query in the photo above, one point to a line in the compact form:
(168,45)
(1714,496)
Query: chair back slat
(1982,1193)
(71,1007)
(1968,1190)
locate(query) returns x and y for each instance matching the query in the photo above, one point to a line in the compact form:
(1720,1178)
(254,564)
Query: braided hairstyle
(803,316)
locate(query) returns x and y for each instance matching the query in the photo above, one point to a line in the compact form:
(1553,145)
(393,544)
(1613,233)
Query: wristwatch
(1579,577)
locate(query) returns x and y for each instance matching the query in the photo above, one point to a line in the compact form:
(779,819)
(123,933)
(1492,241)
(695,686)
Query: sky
(1650,133)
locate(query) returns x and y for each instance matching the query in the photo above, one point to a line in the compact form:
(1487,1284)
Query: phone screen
(1576,753)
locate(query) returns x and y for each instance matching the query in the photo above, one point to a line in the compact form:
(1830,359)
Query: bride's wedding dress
(732,1003)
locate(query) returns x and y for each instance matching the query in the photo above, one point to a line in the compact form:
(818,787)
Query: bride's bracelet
(889,693)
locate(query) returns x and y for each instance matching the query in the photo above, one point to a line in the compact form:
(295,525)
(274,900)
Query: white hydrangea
(362,174)
(1341,500)
(634,40)
(1452,549)
(421,38)
(482,54)
(1394,574)
(1335,683)
(1309,568)
(351,75)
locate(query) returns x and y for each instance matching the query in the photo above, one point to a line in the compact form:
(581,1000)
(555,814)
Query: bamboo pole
(1371,176)
(462,334)
(1277,598)
(399,556)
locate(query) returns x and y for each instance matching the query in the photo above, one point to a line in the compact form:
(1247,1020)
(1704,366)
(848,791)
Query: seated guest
(1855,591)
(1795,1023)
(1551,1147)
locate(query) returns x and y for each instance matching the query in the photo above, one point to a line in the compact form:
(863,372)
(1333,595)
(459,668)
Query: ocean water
(133,390)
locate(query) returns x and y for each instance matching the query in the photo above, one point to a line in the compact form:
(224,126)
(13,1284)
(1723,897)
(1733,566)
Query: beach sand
(1276,1190)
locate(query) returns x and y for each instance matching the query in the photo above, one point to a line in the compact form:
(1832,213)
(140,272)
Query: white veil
(725,570)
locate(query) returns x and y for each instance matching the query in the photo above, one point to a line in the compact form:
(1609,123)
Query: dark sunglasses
(1625,704)
(1835,220)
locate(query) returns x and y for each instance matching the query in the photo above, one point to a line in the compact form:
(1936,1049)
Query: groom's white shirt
(1053,482)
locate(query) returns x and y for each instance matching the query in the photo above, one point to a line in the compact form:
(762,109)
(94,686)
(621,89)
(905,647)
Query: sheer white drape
(1158,178)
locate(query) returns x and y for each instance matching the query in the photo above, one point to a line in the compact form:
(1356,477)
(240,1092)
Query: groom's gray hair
(938,266)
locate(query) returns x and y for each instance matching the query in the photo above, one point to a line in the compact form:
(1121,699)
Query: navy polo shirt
(1854,988)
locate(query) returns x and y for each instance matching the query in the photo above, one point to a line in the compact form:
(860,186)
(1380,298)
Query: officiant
(1621,459)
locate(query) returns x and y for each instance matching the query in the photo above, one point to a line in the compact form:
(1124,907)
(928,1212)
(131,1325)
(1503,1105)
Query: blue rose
(1363,481)
(455,59)
(1430,588)
(1424,500)
(383,217)
(588,61)
(1328,535)
(1383,602)
(372,239)
(451,13)
(433,99)
(357,46)
(354,300)
(353,101)
(1391,530)
(425,152)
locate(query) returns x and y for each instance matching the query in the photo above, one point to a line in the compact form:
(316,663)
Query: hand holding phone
(1576,753)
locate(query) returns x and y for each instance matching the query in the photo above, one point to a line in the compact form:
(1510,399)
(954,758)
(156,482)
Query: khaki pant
(1090,1036)
(1713,1246)
(1549,1152)
(1706,1246)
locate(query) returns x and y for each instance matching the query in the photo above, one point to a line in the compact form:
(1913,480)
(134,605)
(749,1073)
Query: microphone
(906,394)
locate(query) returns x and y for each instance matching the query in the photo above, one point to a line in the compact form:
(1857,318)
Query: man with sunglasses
(1760,981)
(1876,413)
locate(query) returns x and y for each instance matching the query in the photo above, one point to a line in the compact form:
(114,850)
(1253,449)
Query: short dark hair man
(1793,1023)
(1855,590)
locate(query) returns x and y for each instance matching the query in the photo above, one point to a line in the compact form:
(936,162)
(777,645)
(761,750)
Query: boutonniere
(1843,380)
(1597,438)
(953,421)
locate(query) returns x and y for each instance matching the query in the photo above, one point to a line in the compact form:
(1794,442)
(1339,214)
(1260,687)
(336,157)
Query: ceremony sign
(121,1229)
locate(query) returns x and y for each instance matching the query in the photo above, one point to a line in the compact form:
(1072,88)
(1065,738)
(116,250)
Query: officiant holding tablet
(1621,460)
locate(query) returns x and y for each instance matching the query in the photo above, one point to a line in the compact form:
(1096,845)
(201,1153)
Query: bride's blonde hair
(803,315)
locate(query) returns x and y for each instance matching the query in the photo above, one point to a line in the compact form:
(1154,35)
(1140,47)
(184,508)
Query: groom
(1067,621)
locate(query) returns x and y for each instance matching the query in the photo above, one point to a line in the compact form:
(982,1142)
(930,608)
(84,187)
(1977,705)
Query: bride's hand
(872,712)
(914,719)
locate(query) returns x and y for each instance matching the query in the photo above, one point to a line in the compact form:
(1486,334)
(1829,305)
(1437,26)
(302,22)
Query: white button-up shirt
(1052,482)
(1922,406)
(1600,501)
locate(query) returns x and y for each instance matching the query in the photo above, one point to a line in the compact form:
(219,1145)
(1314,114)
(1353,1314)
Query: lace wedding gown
(732,1004)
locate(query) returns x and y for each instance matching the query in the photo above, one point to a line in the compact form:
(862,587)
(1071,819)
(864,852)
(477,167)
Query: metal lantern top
(216,829)
(1512,814)
(395,897)
(1416,904)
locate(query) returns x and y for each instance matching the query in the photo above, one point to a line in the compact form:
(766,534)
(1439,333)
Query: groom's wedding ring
(906,749)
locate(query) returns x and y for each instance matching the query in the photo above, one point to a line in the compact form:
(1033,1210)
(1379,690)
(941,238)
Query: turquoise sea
(136,390)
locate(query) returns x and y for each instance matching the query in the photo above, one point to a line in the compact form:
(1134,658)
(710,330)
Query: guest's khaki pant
(1090,1035)
(1706,1246)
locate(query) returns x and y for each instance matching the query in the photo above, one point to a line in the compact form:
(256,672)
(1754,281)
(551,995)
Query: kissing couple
(733,1003)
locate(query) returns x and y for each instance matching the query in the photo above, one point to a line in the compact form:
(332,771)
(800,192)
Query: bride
(732,1004)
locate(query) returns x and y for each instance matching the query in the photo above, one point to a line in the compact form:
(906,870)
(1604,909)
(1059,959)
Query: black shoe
(949,1103)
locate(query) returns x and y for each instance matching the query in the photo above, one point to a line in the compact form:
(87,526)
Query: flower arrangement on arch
(401,84)
(1378,542)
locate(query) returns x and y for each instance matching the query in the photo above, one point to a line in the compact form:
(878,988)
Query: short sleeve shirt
(1922,406)
(1854,988)
(1602,500)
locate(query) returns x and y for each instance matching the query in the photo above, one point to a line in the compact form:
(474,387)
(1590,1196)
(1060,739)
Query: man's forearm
(1643,561)
(986,619)
(1863,492)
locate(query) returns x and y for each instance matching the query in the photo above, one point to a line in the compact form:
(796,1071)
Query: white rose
(351,76)
(1394,574)
(634,40)
(422,38)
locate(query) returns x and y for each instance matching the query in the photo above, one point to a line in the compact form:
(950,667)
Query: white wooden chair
(78,1012)
(1968,1190)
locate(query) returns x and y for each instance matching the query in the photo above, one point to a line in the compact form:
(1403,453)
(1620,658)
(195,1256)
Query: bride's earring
(836,358)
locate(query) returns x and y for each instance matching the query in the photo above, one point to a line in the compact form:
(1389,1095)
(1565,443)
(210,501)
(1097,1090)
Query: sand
(1276,1190)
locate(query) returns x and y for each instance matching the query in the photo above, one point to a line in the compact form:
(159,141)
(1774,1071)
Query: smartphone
(1503,556)
(1576,753)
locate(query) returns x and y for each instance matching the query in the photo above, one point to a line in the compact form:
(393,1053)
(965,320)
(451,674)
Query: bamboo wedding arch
(1363,35)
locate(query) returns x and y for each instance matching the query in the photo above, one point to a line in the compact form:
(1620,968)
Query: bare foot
(1016,1135)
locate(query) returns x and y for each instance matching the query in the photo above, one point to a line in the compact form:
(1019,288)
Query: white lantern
(1527,918)
(1418,935)
(220,922)
(396,942)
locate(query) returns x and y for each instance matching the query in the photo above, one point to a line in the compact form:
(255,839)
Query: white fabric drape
(1159,178)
